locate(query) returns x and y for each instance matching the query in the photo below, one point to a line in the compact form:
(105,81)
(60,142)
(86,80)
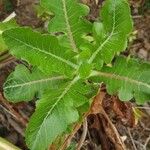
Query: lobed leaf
(111,33)
(127,78)
(60,77)
(68,18)
(25,84)
(55,112)
(40,50)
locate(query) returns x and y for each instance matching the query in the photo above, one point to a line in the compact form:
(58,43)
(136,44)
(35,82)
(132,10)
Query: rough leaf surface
(40,50)
(69,19)
(127,78)
(111,33)
(26,83)
(66,62)
(54,112)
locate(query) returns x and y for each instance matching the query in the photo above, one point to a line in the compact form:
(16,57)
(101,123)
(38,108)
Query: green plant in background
(8,7)
(5,26)
(66,67)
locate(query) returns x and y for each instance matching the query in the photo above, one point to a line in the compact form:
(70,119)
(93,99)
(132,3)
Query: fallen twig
(147,141)
(69,137)
(18,117)
(85,129)
(129,132)
(11,16)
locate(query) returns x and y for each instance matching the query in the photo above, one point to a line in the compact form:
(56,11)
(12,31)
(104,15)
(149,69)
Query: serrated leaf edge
(68,27)
(47,53)
(118,77)
(91,59)
(55,104)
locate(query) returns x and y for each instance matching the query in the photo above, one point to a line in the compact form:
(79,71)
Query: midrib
(35,82)
(64,93)
(68,27)
(55,104)
(47,53)
(107,39)
(119,77)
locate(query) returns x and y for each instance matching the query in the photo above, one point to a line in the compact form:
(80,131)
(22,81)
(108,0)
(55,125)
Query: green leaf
(65,64)
(68,18)
(127,78)
(48,122)
(55,112)
(25,84)
(40,50)
(3,27)
(85,70)
(2,44)
(111,34)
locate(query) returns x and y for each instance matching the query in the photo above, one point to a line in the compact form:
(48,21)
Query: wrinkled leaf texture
(33,47)
(69,18)
(61,80)
(127,78)
(111,33)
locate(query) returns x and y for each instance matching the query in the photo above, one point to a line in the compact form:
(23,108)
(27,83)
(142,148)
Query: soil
(134,132)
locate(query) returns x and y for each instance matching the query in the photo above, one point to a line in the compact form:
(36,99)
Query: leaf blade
(57,112)
(26,84)
(70,21)
(116,26)
(127,78)
(5,26)
(25,41)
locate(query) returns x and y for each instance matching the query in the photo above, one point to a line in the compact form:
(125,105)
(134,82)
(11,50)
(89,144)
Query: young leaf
(127,78)
(26,84)
(111,34)
(68,18)
(54,113)
(40,50)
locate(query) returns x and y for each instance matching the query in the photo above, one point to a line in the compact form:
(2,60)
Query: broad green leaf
(40,50)
(112,32)
(47,122)
(2,44)
(5,26)
(85,70)
(64,80)
(127,78)
(25,84)
(55,112)
(68,18)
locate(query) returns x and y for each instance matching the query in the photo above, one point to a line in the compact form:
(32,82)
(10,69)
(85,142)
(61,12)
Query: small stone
(143,54)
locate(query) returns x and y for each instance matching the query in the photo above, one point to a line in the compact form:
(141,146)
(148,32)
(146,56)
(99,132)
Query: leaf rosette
(66,67)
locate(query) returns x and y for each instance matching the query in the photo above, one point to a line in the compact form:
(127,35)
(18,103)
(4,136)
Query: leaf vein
(47,53)
(68,27)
